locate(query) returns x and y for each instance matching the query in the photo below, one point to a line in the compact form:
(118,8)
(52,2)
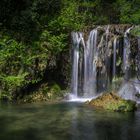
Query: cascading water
(90,51)
(130,88)
(106,69)
(114,56)
(76,43)
(126,53)
(99,60)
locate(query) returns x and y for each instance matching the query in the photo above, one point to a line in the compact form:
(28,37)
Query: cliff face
(103,58)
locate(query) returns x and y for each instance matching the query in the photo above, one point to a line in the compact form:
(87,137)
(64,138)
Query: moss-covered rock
(37,97)
(111,101)
(44,93)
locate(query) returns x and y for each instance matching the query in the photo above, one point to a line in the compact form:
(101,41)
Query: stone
(111,101)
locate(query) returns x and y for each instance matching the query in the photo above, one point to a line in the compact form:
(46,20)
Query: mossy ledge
(111,101)
(44,93)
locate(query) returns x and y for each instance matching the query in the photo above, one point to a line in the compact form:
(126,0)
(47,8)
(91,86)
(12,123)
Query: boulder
(111,101)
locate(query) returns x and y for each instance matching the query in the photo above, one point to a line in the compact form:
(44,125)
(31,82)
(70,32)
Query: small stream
(66,121)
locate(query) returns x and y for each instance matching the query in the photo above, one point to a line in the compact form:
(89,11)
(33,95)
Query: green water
(66,121)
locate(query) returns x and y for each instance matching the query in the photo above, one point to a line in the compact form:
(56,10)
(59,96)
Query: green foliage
(69,19)
(15,81)
(11,84)
(25,19)
(136,31)
(54,43)
(129,11)
(55,89)
(20,64)
(29,18)
(54,92)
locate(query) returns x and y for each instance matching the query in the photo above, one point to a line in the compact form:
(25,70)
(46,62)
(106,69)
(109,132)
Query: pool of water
(66,121)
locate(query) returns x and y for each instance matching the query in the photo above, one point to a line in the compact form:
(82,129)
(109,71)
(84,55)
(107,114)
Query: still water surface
(66,121)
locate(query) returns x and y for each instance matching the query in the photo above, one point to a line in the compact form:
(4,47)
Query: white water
(95,63)
(73,98)
(126,52)
(90,49)
(114,56)
(76,37)
(90,65)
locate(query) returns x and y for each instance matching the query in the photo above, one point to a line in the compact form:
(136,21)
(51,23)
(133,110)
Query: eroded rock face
(111,101)
(101,55)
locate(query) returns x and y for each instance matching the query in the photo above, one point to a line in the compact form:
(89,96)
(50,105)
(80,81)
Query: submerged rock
(111,101)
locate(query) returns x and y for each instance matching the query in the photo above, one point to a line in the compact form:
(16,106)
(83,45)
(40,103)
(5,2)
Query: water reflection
(66,121)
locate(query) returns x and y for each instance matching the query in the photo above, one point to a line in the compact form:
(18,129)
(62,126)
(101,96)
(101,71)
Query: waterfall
(90,51)
(130,89)
(106,82)
(76,37)
(99,59)
(114,57)
(126,53)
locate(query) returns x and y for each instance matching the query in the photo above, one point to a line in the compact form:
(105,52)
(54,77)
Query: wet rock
(130,90)
(111,101)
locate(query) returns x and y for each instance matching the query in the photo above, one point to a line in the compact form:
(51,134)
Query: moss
(44,93)
(37,97)
(135,31)
(111,101)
